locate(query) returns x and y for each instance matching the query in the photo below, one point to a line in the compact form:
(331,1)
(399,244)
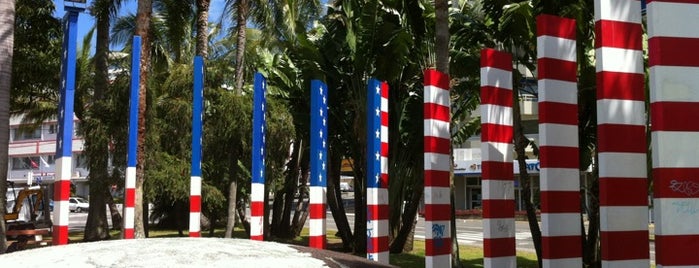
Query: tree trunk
(301,211)
(521,142)
(334,197)
(230,224)
(591,243)
(143,17)
(441,45)
(116,215)
(7,28)
(290,188)
(203,28)
(242,18)
(404,239)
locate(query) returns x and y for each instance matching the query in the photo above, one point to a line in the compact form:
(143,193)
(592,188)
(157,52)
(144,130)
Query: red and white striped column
(558,142)
(437,141)
(377,172)
(674,96)
(621,134)
(497,154)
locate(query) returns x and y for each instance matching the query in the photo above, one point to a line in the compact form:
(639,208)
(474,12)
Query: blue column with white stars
(259,123)
(319,161)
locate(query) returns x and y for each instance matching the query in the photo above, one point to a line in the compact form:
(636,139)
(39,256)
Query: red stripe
(555,26)
(496,59)
(257,237)
(436,178)
(671,51)
(130,197)
(436,145)
(560,201)
(626,245)
(257,208)
(558,157)
(436,111)
(436,247)
(676,182)
(384,118)
(496,133)
(194,234)
(623,192)
(384,181)
(384,149)
(559,247)
(557,69)
(441,212)
(671,250)
(377,244)
(496,208)
(496,96)
(195,203)
(558,113)
(674,116)
(317,211)
(60,235)
(620,86)
(436,78)
(128,233)
(622,138)
(61,190)
(497,170)
(377,212)
(384,90)
(498,247)
(618,34)
(317,241)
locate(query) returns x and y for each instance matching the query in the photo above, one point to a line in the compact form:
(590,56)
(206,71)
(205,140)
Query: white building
(32,151)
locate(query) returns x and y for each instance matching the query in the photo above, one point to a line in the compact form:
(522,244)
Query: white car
(78,204)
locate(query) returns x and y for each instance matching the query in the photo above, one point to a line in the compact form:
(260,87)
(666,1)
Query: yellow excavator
(26,209)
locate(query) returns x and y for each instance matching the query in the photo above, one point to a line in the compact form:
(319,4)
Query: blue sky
(86,22)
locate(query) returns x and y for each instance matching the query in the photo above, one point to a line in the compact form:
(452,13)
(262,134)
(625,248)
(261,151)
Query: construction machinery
(26,208)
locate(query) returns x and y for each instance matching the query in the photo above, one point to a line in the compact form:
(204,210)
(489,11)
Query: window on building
(27,134)
(80,161)
(53,129)
(25,163)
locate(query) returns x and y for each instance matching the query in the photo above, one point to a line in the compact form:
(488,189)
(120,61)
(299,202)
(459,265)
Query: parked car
(345,187)
(78,204)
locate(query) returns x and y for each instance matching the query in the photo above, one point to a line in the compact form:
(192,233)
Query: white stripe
(437,195)
(442,225)
(316,227)
(618,10)
(495,77)
(567,262)
(558,91)
(376,196)
(623,218)
(673,19)
(131,177)
(611,59)
(560,179)
(195,186)
(317,195)
(643,263)
(380,257)
(555,48)
(497,151)
(257,192)
(61,213)
(674,83)
(622,165)
(439,261)
(377,228)
(498,228)
(384,104)
(436,95)
(256,225)
(436,128)
(558,135)
(64,166)
(129,220)
(194,221)
(384,168)
(675,149)
(496,114)
(384,134)
(498,190)
(676,216)
(624,112)
(435,161)
(560,224)
(500,262)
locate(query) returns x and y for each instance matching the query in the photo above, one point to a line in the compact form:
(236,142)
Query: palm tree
(203,28)
(7,27)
